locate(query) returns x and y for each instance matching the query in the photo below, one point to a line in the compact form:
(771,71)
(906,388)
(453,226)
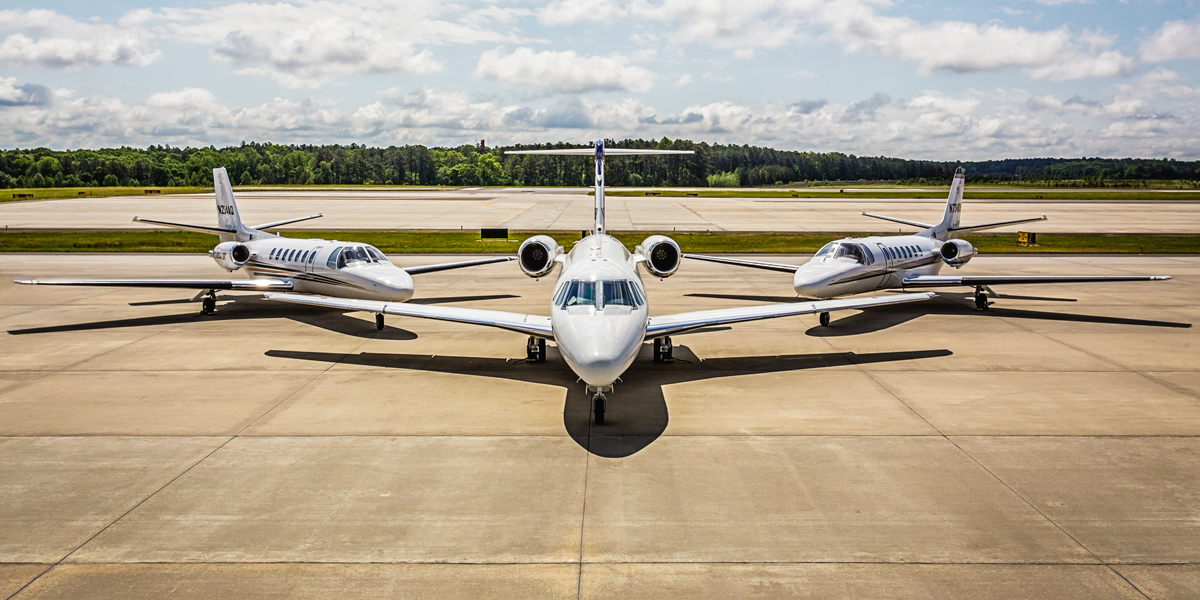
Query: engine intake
(536,255)
(662,255)
(231,255)
(956,253)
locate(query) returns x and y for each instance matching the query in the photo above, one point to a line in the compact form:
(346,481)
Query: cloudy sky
(929,79)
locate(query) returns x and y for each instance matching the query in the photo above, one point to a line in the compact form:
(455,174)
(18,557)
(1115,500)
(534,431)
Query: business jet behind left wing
(274,263)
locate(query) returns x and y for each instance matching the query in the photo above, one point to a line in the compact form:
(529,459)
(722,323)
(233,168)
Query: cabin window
(580,293)
(304,257)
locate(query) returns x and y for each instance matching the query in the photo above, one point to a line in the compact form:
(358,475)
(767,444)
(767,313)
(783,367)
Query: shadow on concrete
(235,308)
(637,409)
(884,317)
(751,297)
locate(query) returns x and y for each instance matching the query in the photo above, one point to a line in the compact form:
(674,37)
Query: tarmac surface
(1044,449)
(571,210)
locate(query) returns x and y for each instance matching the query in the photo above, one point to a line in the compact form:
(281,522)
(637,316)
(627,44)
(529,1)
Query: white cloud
(47,39)
(1175,39)
(955,46)
(684,79)
(564,71)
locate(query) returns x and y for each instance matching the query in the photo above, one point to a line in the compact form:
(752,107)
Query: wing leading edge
(978,280)
(528,324)
(190,284)
(417,270)
(741,262)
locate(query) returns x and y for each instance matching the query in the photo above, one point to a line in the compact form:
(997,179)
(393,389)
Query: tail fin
(944,230)
(227,211)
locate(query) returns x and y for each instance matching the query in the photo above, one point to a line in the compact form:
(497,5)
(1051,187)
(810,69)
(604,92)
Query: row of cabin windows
(290,255)
(902,252)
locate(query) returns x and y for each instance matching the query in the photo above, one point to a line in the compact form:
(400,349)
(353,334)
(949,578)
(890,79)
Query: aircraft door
(889,262)
(312,260)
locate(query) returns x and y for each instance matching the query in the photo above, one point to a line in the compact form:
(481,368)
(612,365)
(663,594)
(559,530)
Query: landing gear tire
(981,302)
(535,349)
(208,306)
(824,319)
(598,408)
(379,321)
(663,349)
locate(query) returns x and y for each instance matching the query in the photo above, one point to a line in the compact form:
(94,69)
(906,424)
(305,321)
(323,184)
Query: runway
(1045,449)
(571,210)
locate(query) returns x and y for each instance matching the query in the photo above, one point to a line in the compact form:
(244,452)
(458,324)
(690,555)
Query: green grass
(416,242)
(940,194)
(7,195)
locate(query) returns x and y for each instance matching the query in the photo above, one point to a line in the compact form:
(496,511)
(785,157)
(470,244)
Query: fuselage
(599,310)
(328,268)
(858,265)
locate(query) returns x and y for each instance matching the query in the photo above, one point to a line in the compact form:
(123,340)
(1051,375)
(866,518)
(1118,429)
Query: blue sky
(939,80)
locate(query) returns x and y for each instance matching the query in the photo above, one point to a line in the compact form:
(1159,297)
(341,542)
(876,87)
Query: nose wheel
(662,349)
(535,349)
(824,319)
(598,402)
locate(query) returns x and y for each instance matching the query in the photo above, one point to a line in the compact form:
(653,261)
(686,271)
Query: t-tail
(949,227)
(229,222)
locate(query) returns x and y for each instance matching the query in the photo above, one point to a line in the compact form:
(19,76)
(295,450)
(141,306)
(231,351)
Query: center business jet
(315,266)
(859,265)
(599,316)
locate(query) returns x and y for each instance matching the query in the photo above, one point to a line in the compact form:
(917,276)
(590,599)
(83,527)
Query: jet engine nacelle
(956,253)
(536,255)
(662,255)
(231,255)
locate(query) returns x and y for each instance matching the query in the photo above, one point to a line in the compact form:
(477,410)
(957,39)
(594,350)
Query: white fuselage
(355,271)
(599,334)
(879,263)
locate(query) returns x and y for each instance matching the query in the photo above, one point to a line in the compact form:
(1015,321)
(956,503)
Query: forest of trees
(715,164)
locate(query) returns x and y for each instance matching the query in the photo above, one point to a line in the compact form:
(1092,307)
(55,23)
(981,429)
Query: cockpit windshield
(851,251)
(611,293)
(826,250)
(356,256)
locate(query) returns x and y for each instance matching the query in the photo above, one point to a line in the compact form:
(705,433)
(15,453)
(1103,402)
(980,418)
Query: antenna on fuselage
(599,151)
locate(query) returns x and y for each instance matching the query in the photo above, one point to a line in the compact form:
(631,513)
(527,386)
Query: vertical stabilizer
(227,211)
(599,217)
(953,206)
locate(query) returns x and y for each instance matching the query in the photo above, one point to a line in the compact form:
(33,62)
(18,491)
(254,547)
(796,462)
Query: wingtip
(25,281)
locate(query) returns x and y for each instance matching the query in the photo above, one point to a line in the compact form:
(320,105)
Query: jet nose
(600,362)
(397,287)
(808,285)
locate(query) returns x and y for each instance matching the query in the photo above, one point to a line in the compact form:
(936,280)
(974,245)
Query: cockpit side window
(377,255)
(580,293)
(866,250)
(332,263)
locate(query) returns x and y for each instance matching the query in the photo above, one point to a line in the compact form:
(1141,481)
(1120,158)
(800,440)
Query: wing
(978,280)
(528,324)
(191,284)
(898,220)
(672,324)
(456,265)
(982,226)
(741,262)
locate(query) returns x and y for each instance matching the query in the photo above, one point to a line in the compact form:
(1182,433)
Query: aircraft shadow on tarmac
(637,409)
(952,303)
(236,308)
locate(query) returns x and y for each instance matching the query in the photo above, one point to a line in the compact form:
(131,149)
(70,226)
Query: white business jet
(328,267)
(858,265)
(599,315)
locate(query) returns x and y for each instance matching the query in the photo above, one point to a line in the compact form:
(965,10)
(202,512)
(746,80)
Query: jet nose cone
(601,361)
(397,287)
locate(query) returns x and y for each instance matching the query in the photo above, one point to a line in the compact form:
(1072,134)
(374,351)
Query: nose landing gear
(598,402)
(535,349)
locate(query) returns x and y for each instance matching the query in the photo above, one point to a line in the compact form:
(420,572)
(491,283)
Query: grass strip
(417,242)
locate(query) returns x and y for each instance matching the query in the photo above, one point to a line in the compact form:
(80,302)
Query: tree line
(711,165)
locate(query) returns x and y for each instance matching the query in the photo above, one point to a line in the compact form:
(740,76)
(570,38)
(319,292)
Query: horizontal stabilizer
(898,220)
(528,324)
(417,270)
(189,284)
(741,262)
(592,151)
(996,224)
(287,221)
(981,280)
(673,324)
(186,226)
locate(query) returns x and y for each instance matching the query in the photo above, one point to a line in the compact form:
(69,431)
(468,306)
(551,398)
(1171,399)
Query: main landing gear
(662,349)
(981,302)
(535,349)
(208,305)
(379,321)
(824,319)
